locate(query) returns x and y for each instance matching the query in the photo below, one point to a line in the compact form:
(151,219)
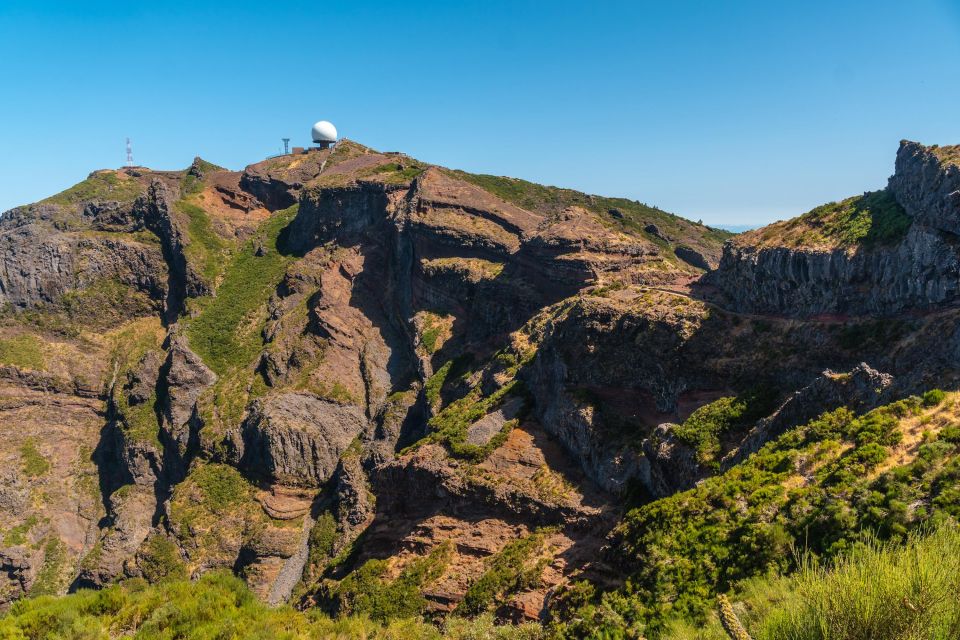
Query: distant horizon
(738,114)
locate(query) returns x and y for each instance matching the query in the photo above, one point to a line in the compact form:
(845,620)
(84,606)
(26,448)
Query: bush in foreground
(217,606)
(880,592)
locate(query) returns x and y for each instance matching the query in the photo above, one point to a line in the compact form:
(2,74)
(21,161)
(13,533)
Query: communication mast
(129,153)
(286,146)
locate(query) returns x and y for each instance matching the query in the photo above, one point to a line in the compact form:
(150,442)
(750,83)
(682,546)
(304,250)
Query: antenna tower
(286,146)
(129,153)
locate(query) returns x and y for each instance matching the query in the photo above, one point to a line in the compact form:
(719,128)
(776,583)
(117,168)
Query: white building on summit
(324,134)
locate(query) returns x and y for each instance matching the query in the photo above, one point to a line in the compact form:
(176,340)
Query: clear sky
(730,112)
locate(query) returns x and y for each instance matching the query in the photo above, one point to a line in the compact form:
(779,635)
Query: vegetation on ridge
(875,218)
(629,215)
(100,185)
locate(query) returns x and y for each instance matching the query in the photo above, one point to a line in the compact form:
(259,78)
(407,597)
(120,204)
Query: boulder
(297,438)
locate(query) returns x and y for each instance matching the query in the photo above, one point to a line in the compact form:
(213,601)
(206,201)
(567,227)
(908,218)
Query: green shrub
(434,383)
(811,488)
(222,486)
(705,426)
(217,606)
(933,398)
(24,351)
(366,592)
(159,558)
(951,434)
(515,568)
(323,537)
(871,219)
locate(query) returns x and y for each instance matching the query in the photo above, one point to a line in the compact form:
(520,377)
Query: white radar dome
(324,131)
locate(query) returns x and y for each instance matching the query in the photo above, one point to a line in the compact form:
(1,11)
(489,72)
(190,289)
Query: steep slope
(286,322)
(353,378)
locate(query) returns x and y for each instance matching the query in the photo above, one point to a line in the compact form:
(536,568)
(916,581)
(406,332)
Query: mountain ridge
(344,373)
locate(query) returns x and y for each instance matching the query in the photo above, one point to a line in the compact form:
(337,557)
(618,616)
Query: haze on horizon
(736,115)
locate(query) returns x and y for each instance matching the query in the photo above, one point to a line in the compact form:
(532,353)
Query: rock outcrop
(185,378)
(297,439)
(918,270)
(860,389)
(926,183)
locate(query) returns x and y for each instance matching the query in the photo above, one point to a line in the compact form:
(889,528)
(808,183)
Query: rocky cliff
(881,253)
(334,359)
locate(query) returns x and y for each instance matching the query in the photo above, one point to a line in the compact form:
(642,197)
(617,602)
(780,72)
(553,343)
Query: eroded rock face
(922,271)
(928,186)
(298,438)
(132,510)
(38,264)
(185,378)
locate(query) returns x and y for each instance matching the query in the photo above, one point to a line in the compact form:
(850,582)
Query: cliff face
(347,355)
(918,268)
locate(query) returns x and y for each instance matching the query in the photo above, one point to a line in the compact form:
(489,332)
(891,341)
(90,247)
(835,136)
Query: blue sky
(730,112)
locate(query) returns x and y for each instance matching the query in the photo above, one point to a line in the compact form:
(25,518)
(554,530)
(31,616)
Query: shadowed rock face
(920,271)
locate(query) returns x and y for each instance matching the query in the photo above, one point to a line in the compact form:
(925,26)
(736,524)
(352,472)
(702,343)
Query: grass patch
(132,341)
(24,351)
(470,269)
(100,185)
(18,535)
(33,463)
(395,172)
(226,331)
(434,331)
(335,392)
(50,578)
(140,422)
(206,250)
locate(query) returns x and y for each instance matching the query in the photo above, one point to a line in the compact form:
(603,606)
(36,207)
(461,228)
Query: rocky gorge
(345,363)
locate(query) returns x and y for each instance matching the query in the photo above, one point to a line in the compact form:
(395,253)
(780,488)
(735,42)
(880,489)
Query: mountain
(370,385)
